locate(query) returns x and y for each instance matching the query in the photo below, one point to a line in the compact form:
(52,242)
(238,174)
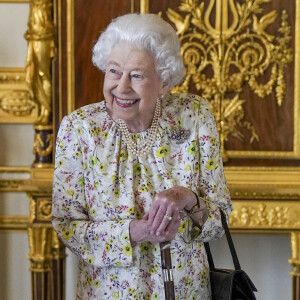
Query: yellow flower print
(135,296)
(131,210)
(60,164)
(179,121)
(115,295)
(84,166)
(152,271)
(138,215)
(137,168)
(197,167)
(98,130)
(113,178)
(213,140)
(121,178)
(78,154)
(155,296)
(148,184)
(81,182)
(93,160)
(146,169)
(182,227)
(123,156)
(188,167)
(159,177)
(96,283)
(67,234)
(61,146)
(79,131)
(82,248)
(90,260)
(102,167)
(126,237)
(131,290)
(195,106)
(93,131)
(147,296)
(107,247)
(96,185)
(128,250)
(202,282)
(192,148)
(180,266)
(163,152)
(105,135)
(110,240)
(143,188)
(93,212)
(204,273)
(117,193)
(74,224)
(145,247)
(70,192)
(210,165)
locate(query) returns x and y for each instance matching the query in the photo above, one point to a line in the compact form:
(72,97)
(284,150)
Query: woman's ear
(165,87)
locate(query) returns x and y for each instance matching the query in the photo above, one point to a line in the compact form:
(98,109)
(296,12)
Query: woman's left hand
(167,207)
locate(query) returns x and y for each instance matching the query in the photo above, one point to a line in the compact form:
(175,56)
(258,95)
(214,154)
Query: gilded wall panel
(242,56)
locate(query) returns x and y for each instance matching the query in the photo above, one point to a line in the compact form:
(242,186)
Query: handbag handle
(235,259)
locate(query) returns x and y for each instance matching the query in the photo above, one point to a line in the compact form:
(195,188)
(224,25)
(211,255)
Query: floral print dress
(100,186)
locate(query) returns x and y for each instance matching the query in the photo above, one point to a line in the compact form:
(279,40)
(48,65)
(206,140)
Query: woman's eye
(113,71)
(136,76)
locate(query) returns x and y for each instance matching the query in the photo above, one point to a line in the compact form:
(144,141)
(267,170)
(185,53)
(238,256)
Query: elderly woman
(137,169)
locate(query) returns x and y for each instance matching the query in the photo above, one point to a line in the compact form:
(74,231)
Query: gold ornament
(236,51)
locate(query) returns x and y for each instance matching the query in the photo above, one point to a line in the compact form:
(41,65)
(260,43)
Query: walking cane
(167,271)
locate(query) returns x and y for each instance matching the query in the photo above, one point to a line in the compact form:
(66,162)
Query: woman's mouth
(125,102)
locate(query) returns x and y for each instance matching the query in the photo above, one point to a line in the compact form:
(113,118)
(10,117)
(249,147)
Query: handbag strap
(235,259)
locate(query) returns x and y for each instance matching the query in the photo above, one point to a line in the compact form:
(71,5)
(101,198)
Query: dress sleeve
(212,186)
(99,243)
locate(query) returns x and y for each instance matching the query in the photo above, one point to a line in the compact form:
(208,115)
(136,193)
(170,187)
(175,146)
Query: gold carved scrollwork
(40,248)
(265,216)
(39,146)
(40,37)
(16,104)
(235,51)
(295,259)
(44,209)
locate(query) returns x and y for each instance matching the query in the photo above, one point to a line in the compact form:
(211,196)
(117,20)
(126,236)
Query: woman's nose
(124,83)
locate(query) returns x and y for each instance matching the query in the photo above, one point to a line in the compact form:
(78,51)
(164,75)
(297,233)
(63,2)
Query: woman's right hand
(140,231)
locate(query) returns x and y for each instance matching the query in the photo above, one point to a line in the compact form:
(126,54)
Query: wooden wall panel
(76,81)
(274,124)
(91,18)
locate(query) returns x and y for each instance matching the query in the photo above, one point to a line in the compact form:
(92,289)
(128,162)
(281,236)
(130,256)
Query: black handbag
(227,284)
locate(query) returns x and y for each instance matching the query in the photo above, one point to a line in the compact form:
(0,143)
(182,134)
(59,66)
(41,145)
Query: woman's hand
(162,221)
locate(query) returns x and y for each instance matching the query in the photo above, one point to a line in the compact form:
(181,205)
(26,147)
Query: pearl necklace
(148,143)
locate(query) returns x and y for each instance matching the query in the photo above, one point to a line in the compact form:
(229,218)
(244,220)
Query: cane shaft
(167,271)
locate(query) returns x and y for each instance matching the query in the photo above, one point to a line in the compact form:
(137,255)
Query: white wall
(263,257)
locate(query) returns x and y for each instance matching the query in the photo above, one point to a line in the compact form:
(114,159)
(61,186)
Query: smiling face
(131,87)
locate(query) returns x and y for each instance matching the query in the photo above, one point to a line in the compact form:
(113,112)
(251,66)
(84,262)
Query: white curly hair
(146,32)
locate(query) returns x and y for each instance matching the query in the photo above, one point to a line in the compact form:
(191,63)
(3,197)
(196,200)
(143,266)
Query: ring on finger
(168,217)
